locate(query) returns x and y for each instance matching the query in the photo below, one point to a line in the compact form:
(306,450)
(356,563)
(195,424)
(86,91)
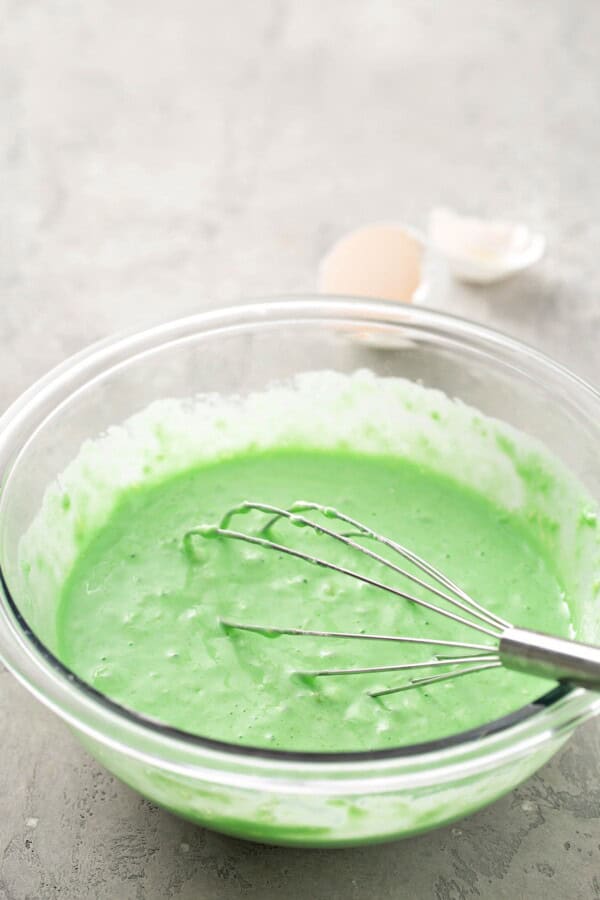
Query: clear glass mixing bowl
(278,797)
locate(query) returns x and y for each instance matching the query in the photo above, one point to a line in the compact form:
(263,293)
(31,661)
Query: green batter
(139,615)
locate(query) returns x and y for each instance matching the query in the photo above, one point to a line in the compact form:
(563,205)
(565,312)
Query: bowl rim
(560,708)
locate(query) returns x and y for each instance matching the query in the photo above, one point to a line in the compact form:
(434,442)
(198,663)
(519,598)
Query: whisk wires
(443,588)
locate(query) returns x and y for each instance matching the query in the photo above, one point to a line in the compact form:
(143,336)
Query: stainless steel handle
(551,657)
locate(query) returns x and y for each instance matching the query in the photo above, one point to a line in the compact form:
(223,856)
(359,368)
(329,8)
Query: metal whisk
(516,648)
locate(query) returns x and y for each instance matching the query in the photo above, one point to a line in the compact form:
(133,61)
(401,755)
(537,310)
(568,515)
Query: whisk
(506,645)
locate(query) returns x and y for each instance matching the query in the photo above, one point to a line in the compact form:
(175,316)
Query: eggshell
(481,251)
(382,260)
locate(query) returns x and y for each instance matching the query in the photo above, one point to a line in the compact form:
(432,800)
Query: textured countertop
(159,158)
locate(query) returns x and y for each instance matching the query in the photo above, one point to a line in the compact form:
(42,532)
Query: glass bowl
(274,796)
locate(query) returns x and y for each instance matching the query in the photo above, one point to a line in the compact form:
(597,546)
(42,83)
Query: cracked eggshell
(384,260)
(480,251)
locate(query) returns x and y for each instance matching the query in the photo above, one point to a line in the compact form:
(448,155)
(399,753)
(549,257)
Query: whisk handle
(551,657)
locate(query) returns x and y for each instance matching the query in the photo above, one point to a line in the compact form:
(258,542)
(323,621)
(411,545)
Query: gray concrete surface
(159,158)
